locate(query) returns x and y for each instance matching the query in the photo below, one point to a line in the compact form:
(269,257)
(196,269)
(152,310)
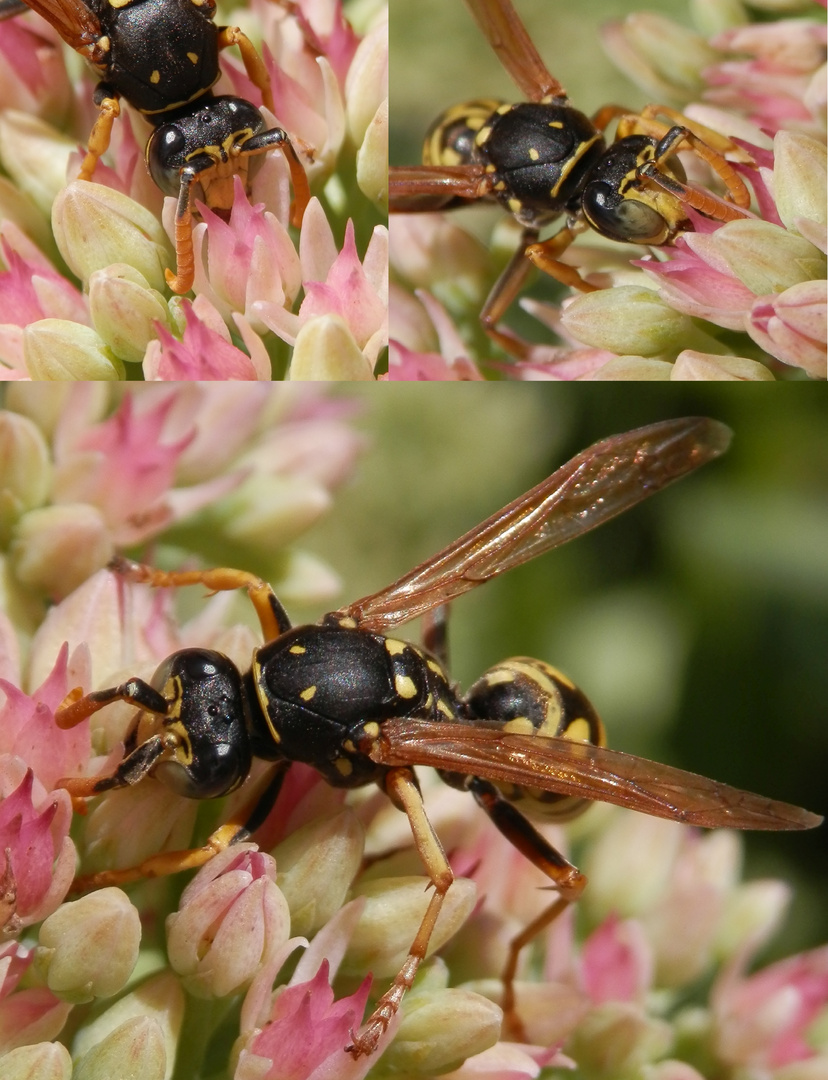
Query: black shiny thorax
(540,154)
(324,692)
(161,54)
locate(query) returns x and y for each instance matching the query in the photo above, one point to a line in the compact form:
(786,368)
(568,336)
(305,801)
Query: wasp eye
(165,154)
(625,219)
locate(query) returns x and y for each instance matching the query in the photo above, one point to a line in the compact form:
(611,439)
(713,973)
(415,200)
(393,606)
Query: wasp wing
(427,188)
(602,481)
(76,23)
(511,42)
(584,771)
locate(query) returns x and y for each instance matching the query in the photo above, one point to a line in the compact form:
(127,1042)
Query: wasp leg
(403,791)
(707,144)
(568,881)
(278,138)
(181,281)
(253,63)
(272,616)
(545,255)
(100,135)
(235,831)
(503,294)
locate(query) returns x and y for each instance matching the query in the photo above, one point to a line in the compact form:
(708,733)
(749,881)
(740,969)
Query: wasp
(542,158)
(362,706)
(162,56)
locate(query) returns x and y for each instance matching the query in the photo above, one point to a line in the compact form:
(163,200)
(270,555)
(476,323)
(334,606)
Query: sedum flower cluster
(261,965)
(743,300)
(82,288)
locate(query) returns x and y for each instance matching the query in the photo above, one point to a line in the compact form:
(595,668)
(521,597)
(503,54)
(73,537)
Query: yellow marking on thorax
(405,686)
(394,646)
(297,649)
(306,695)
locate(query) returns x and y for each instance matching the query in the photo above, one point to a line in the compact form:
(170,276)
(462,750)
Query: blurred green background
(697,622)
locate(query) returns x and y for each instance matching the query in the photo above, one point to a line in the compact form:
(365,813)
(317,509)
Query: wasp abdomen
(529,697)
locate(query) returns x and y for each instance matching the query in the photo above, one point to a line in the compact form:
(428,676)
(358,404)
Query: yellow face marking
(578,730)
(155,77)
(343,766)
(297,649)
(372,729)
(306,695)
(405,686)
(533,154)
(394,646)
(519,725)
(192,57)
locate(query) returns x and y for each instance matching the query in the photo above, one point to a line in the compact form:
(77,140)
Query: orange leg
(253,63)
(272,615)
(99,137)
(568,881)
(402,788)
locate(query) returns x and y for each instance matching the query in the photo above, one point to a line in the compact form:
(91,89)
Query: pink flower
(616,961)
(306,1032)
(762,1020)
(697,280)
(230,920)
(205,351)
(26,1016)
(337,284)
(791,325)
(39,858)
(27,728)
(249,258)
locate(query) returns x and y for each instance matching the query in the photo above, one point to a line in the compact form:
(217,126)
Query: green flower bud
(627,320)
(315,866)
(46,405)
(148,1021)
(42,1061)
(366,84)
(440,1029)
(372,159)
(21,210)
(59,349)
(391,917)
(617,1038)
(124,310)
(753,912)
(633,369)
(34,155)
(799,177)
(25,468)
(133,1051)
(89,947)
(95,226)
(325,350)
(269,511)
(693,366)
(56,548)
(713,16)
(765,257)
